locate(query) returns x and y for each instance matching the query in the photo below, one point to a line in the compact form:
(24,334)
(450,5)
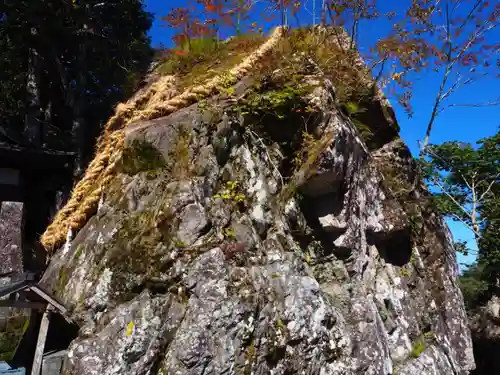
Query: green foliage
(280,325)
(405,272)
(349,78)
(212,108)
(465,180)
(179,244)
(396,181)
(15,325)
(415,221)
(78,251)
(8,343)
(474,286)
(353,108)
(229,233)
(250,353)
(207,57)
(142,156)
(355,112)
(62,280)
(85,64)
(308,258)
(429,336)
(412,258)
(461,247)
(226,84)
(275,102)
(140,244)
(140,231)
(418,347)
(231,192)
(462,174)
(306,152)
(189,53)
(179,158)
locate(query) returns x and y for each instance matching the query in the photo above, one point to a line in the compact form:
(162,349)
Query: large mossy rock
(226,245)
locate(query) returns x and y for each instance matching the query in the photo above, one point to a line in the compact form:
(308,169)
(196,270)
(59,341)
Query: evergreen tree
(65,64)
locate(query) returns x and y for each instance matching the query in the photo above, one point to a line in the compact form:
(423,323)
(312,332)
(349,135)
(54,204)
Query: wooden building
(49,330)
(34,177)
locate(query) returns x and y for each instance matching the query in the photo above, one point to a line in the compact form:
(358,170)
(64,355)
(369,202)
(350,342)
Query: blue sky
(457,123)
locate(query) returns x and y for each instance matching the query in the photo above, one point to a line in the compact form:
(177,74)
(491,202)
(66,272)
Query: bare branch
(477,234)
(467,182)
(455,86)
(121,66)
(489,187)
(471,13)
(457,4)
(479,32)
(452,198)
(477,105)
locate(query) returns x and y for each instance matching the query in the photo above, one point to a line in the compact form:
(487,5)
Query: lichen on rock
(264,239)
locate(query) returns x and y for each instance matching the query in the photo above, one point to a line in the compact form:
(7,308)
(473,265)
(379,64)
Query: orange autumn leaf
(210,8)
(178,52)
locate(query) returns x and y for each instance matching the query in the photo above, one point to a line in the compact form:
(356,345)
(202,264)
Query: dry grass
(319,53)
(209,58)
(199,74)
(87,193)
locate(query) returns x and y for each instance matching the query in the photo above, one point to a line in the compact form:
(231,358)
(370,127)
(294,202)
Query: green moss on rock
(418,347)
(11,334)
(142,156)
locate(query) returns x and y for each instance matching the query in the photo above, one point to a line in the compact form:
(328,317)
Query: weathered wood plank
(13,288)
(50,299)
(40,345)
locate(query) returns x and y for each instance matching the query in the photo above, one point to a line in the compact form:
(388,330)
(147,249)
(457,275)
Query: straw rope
(158,100)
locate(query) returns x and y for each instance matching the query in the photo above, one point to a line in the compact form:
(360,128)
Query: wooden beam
(50,299)
(13,288)
(23,304)
(40,344)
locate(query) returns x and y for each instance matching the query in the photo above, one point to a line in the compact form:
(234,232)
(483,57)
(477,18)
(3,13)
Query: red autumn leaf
(469,59)
(178,52)
(211,8)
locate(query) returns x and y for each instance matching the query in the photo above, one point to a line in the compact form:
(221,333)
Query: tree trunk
(33,117)
(79,124)
(78,131)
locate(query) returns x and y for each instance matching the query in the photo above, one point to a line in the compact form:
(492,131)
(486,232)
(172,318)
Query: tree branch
(477,105)
(487,26)
(489,187)
(478,235)
(451,197)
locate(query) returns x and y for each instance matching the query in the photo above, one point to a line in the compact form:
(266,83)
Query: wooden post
(40,344)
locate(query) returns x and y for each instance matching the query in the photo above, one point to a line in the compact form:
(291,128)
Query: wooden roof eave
(28,284)
(22,158)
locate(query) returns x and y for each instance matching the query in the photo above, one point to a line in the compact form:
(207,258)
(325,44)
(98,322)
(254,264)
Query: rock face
(206,258)
(485,326)
(11,320)
(11,215)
